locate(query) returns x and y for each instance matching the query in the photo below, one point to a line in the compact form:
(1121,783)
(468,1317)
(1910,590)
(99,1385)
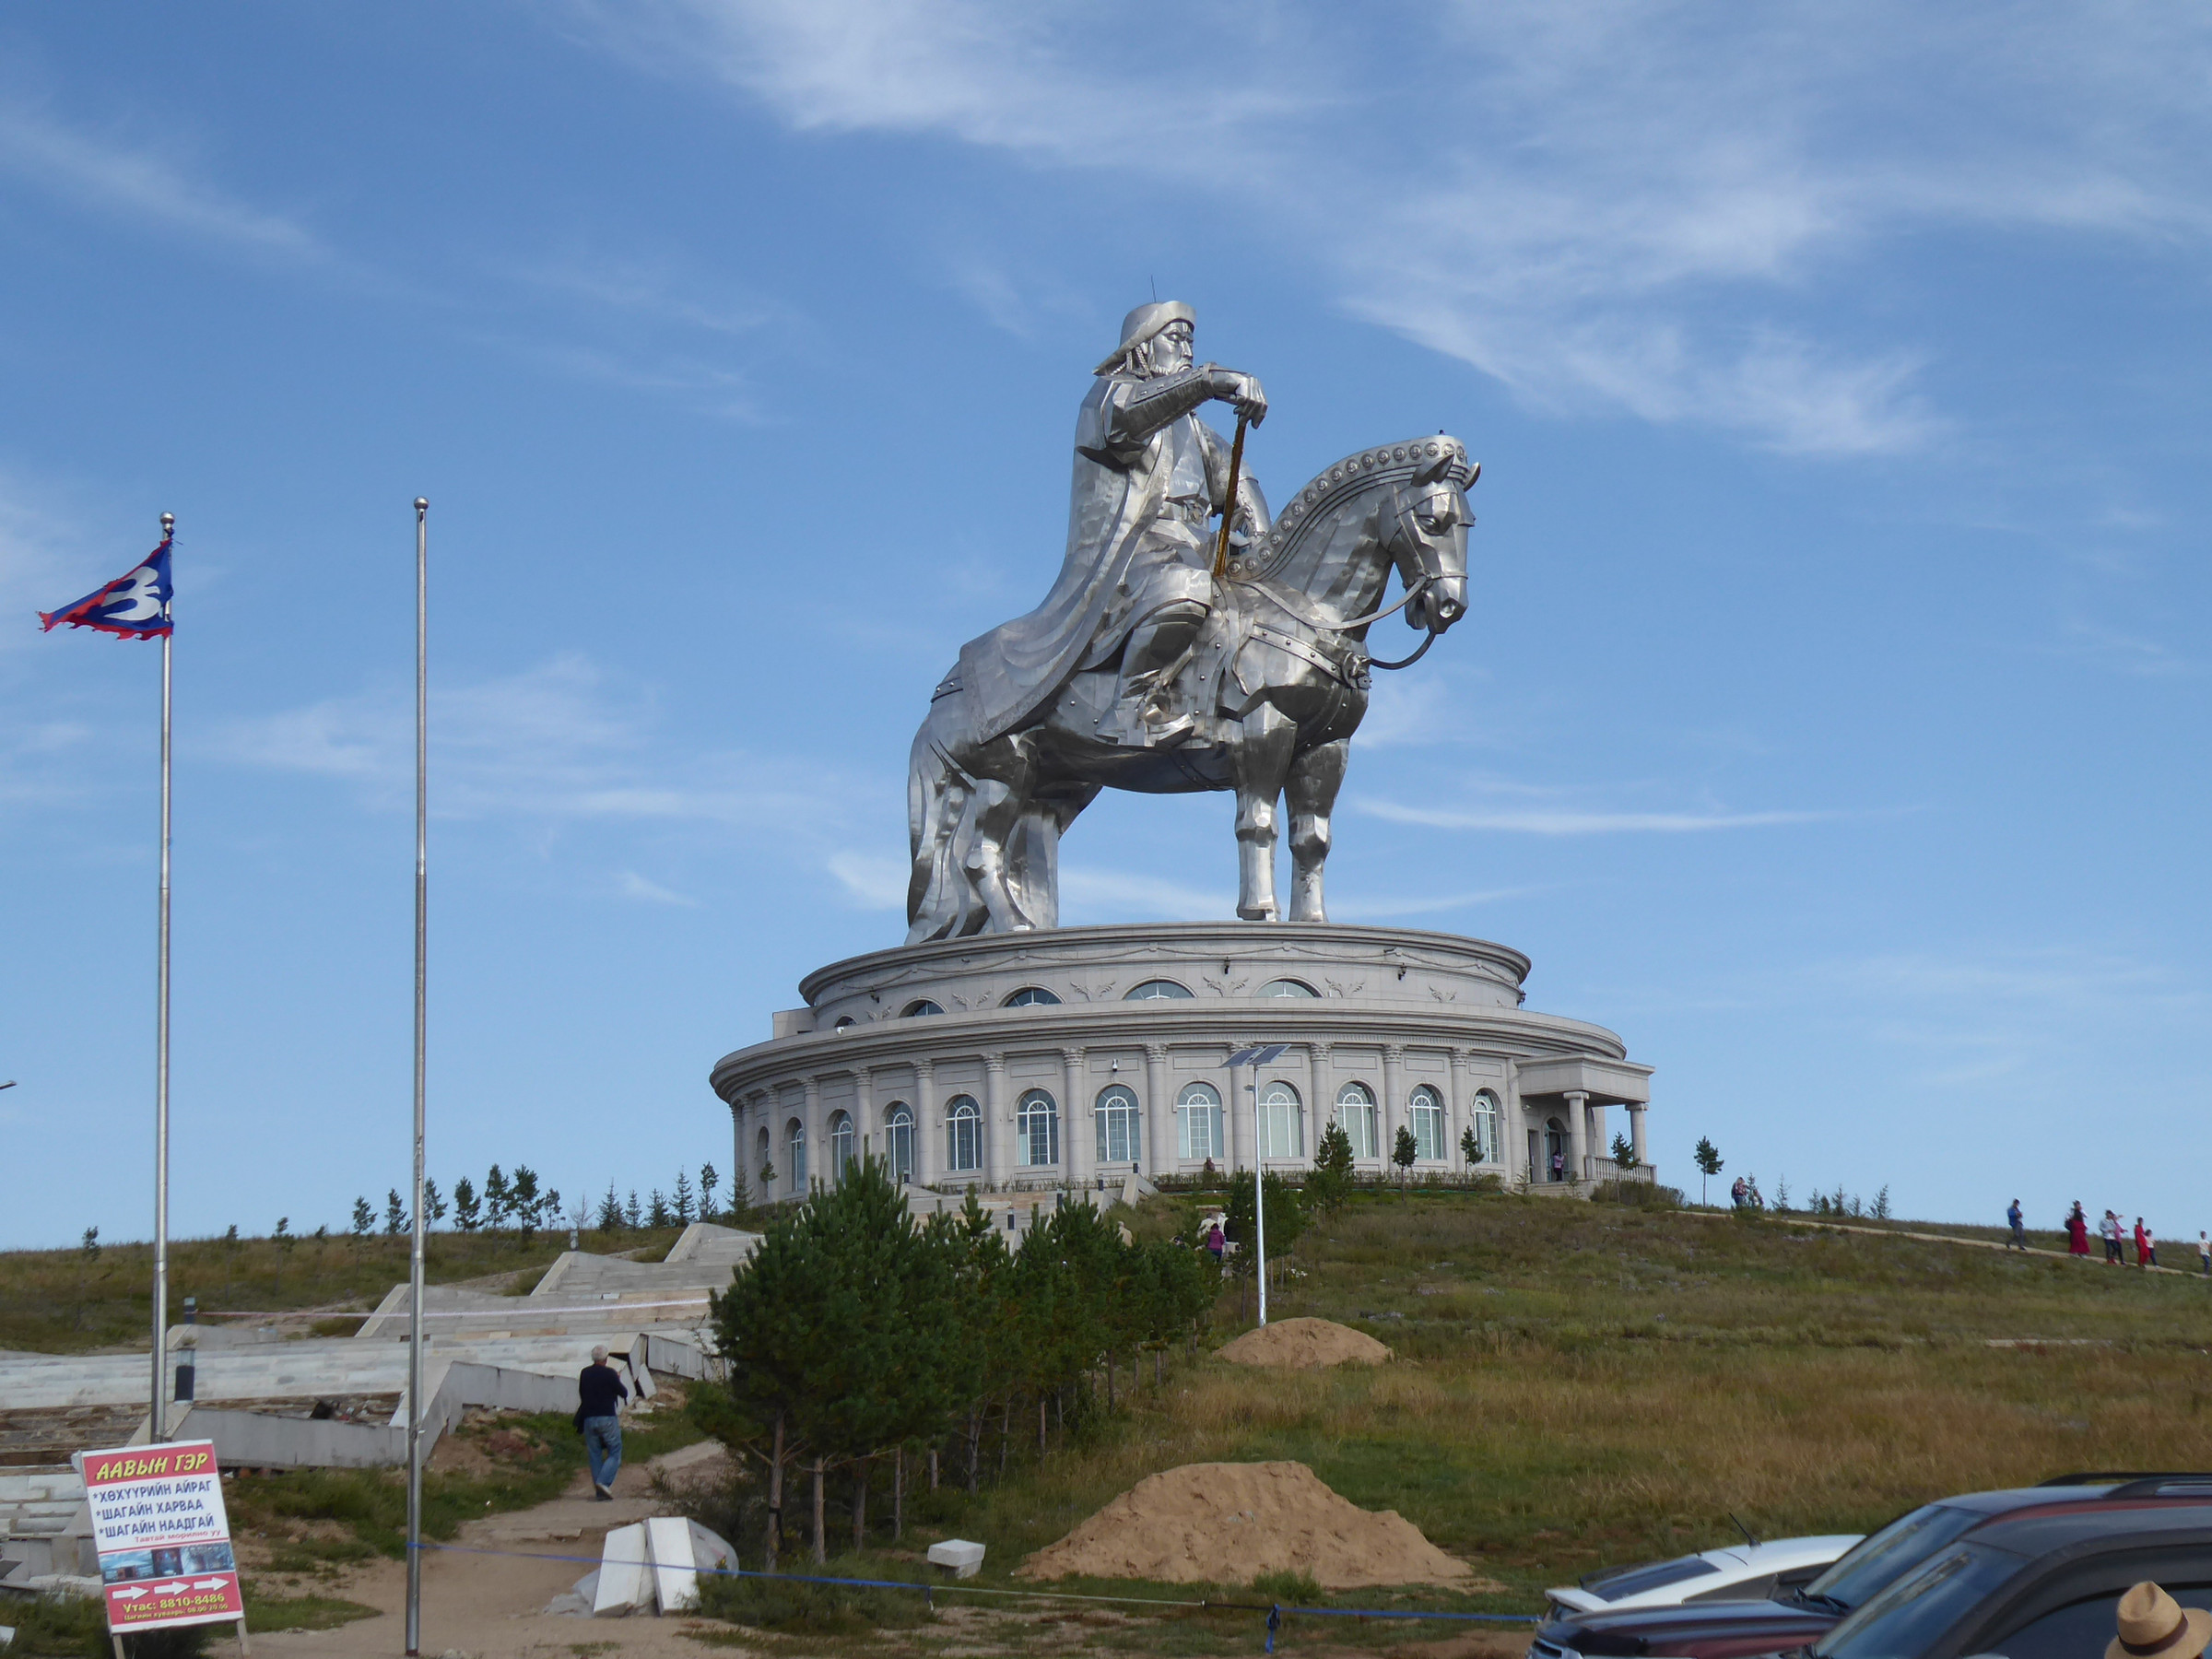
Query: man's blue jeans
(603,1449)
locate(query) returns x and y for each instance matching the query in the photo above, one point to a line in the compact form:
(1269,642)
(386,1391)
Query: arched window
(898,1141)
(963,1135)
(1282,1124)
(795,1155)
(1030,996)
(1427,1112)
(762,1155)
(1118,1139)
(914,1010)
(1198,1123)
(840,1145)
(1037,1129)
(1486,1127)
(1287,987)
(1159,991)
(1362,1118)
(843,1020)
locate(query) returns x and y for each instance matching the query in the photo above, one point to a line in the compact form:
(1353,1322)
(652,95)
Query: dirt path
(487,1605)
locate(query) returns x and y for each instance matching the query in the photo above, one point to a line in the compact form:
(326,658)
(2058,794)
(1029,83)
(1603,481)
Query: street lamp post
(1252,1059)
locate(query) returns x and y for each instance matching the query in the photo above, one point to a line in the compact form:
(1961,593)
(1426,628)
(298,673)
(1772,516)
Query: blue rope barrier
(1274,1610)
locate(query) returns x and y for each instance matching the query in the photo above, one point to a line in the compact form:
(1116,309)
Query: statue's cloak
(1119,487)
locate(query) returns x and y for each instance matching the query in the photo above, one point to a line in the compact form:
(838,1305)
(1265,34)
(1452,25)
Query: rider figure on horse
(1136,581)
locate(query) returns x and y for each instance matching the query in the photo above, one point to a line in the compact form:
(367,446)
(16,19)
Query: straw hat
(2154,1626)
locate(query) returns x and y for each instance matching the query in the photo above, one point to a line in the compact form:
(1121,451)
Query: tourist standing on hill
(2203,1252)
(2077,1230)
(2147,1245)
(2015,1218)
(1215,1239)
(600,1395)
(2113,1233)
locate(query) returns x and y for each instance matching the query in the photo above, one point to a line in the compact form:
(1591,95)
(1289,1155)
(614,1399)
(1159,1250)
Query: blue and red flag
(133,608)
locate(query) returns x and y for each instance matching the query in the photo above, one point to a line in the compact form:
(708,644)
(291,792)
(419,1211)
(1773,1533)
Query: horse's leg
(1310,793)
(1033,865)
(1002,798)
(940,903)
(1264,745)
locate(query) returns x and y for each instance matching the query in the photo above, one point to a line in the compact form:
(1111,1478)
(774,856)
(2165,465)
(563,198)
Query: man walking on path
(2013,1215)
(2110,1227)
(600,1395)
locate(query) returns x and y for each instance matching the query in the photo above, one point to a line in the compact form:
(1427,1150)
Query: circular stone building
(1074,1057)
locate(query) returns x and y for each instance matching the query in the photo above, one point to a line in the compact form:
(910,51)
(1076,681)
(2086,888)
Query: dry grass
(61,1301)
(1586,1385)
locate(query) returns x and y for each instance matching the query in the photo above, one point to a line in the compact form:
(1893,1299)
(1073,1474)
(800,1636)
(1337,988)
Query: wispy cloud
(1089,894)
(2122,653)
(1382,910)
(141,182)
(871,880)
(1525,820)
(1605,206)
(560,741)
(630,885)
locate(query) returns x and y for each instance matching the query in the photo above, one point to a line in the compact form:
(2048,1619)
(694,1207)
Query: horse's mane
(1327,493)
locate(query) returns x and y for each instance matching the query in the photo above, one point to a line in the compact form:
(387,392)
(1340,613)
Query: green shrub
(791,1607)
(71,1626)
(1291,1589)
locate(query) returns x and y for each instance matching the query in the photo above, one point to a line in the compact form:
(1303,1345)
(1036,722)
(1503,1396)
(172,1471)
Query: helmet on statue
(1142,324)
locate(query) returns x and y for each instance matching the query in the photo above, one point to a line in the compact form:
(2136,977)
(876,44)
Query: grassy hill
(1582,1384)
(66,1302)
(1577,1383)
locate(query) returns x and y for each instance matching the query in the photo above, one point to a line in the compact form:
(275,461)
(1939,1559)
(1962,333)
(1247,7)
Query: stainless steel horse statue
(1272,689)
(1157,664)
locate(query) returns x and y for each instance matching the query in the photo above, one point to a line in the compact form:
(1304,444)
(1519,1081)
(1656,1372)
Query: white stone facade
(1082,1054)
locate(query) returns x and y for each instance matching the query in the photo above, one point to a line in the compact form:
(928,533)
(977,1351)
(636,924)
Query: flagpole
(158,1418)
(422,893)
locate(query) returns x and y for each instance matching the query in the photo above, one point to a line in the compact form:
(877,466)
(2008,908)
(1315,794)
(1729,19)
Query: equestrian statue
(1170,657)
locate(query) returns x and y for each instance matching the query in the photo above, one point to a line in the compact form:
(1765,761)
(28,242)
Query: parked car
(2072,1512)
(1751,1571)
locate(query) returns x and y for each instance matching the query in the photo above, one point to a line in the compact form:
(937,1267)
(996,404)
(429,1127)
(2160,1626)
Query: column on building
(1078,1129)
(1159,1111)
(1394,1099)
(1636,1132)
(867,1127)
(1577,1134)
(1601,1141)
(737,1169)
(1455,1127)
(1309,1134)
(811,1115)
(998,1134)
(929,1127)
(1233,1130)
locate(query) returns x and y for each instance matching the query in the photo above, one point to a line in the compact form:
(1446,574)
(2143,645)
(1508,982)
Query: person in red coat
(2077,1231)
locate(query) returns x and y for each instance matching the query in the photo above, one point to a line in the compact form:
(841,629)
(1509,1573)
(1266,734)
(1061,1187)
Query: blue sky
(1828,720)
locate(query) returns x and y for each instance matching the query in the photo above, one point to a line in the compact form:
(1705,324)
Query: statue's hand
(1241,392)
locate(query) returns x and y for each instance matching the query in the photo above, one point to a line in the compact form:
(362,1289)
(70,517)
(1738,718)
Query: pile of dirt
(1230,1522)
(1305,1344)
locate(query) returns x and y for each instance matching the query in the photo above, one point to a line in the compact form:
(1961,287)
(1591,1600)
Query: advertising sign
(163,1537)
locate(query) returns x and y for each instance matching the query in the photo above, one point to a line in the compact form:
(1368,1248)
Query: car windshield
(1903,1621)
(1624,1581)
(1878,1562)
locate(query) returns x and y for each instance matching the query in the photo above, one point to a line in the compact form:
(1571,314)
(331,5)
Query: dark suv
(2013,1572)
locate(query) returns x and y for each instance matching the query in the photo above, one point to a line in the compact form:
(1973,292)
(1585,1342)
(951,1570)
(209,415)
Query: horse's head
(1428,533)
